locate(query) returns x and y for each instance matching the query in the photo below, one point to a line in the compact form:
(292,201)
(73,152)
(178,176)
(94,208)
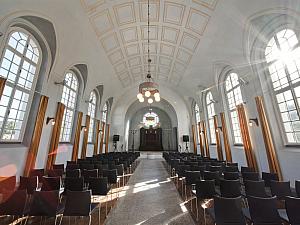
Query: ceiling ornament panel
(176,28)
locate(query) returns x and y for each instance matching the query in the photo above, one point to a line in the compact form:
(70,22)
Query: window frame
(92,118)
(210,118)
(32,91)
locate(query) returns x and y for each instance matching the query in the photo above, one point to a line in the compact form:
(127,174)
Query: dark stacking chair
(227,211)
(215,168)
(206,164)
(263,211)
(231,176)
(255,188)
(89,173)
(51,183)
(74,184)
(281,189)
(120,172)
(191,179)
(181,174)
(7,184)
(292,206)
(112,177)
(55,173)
(297,187)
(208,175)
(37,173)
(205,189)
(254,176)
(58,167)
(100,187)
(267,177)
(231,169)
(30,184)
(232,164)
(45,204)
(245,169)
(230,188)
(86,166)
(15,205)
(73,173)
(78,204)
(72,167)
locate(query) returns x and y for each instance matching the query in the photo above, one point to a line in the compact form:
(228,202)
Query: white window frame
(13,86)
(92,113)
(210,107)
(197,119)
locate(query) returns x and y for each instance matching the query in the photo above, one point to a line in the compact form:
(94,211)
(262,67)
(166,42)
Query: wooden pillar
(243,120)
(218,139)
(77,137)
(2,85)
(201,140)
(207,153)
(225,138)
(102,137)
(36,137)
(85,136)
(96,137)
(53,148)
(194,139)
(269,145)
(107,137)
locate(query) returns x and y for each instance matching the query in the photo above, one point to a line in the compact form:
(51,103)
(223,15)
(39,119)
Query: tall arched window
(92,114)
(104,113)
(283,58)
(234,98)
(69,99)
(20,64)
(210,114)
(197,115)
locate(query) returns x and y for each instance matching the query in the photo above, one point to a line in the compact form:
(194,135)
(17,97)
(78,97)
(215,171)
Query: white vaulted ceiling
(176,29)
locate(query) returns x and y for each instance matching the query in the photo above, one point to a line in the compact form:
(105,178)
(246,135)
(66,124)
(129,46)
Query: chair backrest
(231,175)
(245,169)
(37,173)
(267,177)
(99,185)
(73,173)
(250,176)
(264,210)
(78,203)
(120,169)
(29,184)
(192,177)
(74,184)
(232,164)
(7,183)
(281,189)
(86,166)
(292,206)
(255,188)
(231,169)
(205,189)
(44,203)
(72,167)
(229,211)
(51,183)
(297,187)
(89,173)
(230,188)
(215,168)
(58,167)
(15,204)
(209,175)
(55,173)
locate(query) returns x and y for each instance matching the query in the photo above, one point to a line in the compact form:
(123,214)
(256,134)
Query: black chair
(58,167)
(208,175)
(7,184)
(78,204)
(263,211)
(72,167)
(86,166)
(55,173)
(231,176)
(255,189)
(89,173)
(45,204)
(231,169)
(74,184)
(51,183)
(245,169)
(267,177)
(292,206)
(37,173)
(30,184)
(227,211)
(120,173)
(281,189)
(215,168)
(230,188)
(254,176)
(73,173)
(297,187)
(192,177)
(230,164)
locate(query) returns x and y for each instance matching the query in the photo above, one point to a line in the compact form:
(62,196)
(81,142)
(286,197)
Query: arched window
(20,64)
(283,58)
(104,113)
(92,114)
(69,99)
(210,114)
(197,115)
(234,98)
(150,119)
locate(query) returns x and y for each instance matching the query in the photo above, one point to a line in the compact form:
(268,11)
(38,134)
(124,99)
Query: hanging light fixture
(148,89)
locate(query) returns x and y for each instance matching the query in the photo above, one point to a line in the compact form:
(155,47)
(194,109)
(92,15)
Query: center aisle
(151,199)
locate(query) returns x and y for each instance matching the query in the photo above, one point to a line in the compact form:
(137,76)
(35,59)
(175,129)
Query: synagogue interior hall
(149,112)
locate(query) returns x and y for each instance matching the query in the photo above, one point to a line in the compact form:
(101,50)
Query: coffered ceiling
(176,29)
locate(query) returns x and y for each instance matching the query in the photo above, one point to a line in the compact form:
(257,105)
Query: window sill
(12,145)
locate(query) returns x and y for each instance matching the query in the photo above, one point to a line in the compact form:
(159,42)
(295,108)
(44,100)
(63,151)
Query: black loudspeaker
(116,138)
(185,138)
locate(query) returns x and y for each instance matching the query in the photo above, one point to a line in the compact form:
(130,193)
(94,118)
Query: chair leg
(197,209)
(99,215)
(106,205)
(204,214)
(90,219)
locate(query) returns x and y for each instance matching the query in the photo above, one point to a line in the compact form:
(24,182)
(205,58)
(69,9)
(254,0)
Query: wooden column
(218,139)
(201,140)
(85,136)
(102,137)
(194,139)
(225,138)
(203,127)
(96,137)
(243,120)
(77,137)
(2,85)
(55,135)
(36,137)
(269,145)
(107,137)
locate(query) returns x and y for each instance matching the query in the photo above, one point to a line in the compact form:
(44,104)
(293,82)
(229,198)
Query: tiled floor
(151,198)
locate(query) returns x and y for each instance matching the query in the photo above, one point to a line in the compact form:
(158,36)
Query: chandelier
(148,89)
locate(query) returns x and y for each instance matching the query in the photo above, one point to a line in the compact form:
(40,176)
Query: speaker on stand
(116,138)
(186,139)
